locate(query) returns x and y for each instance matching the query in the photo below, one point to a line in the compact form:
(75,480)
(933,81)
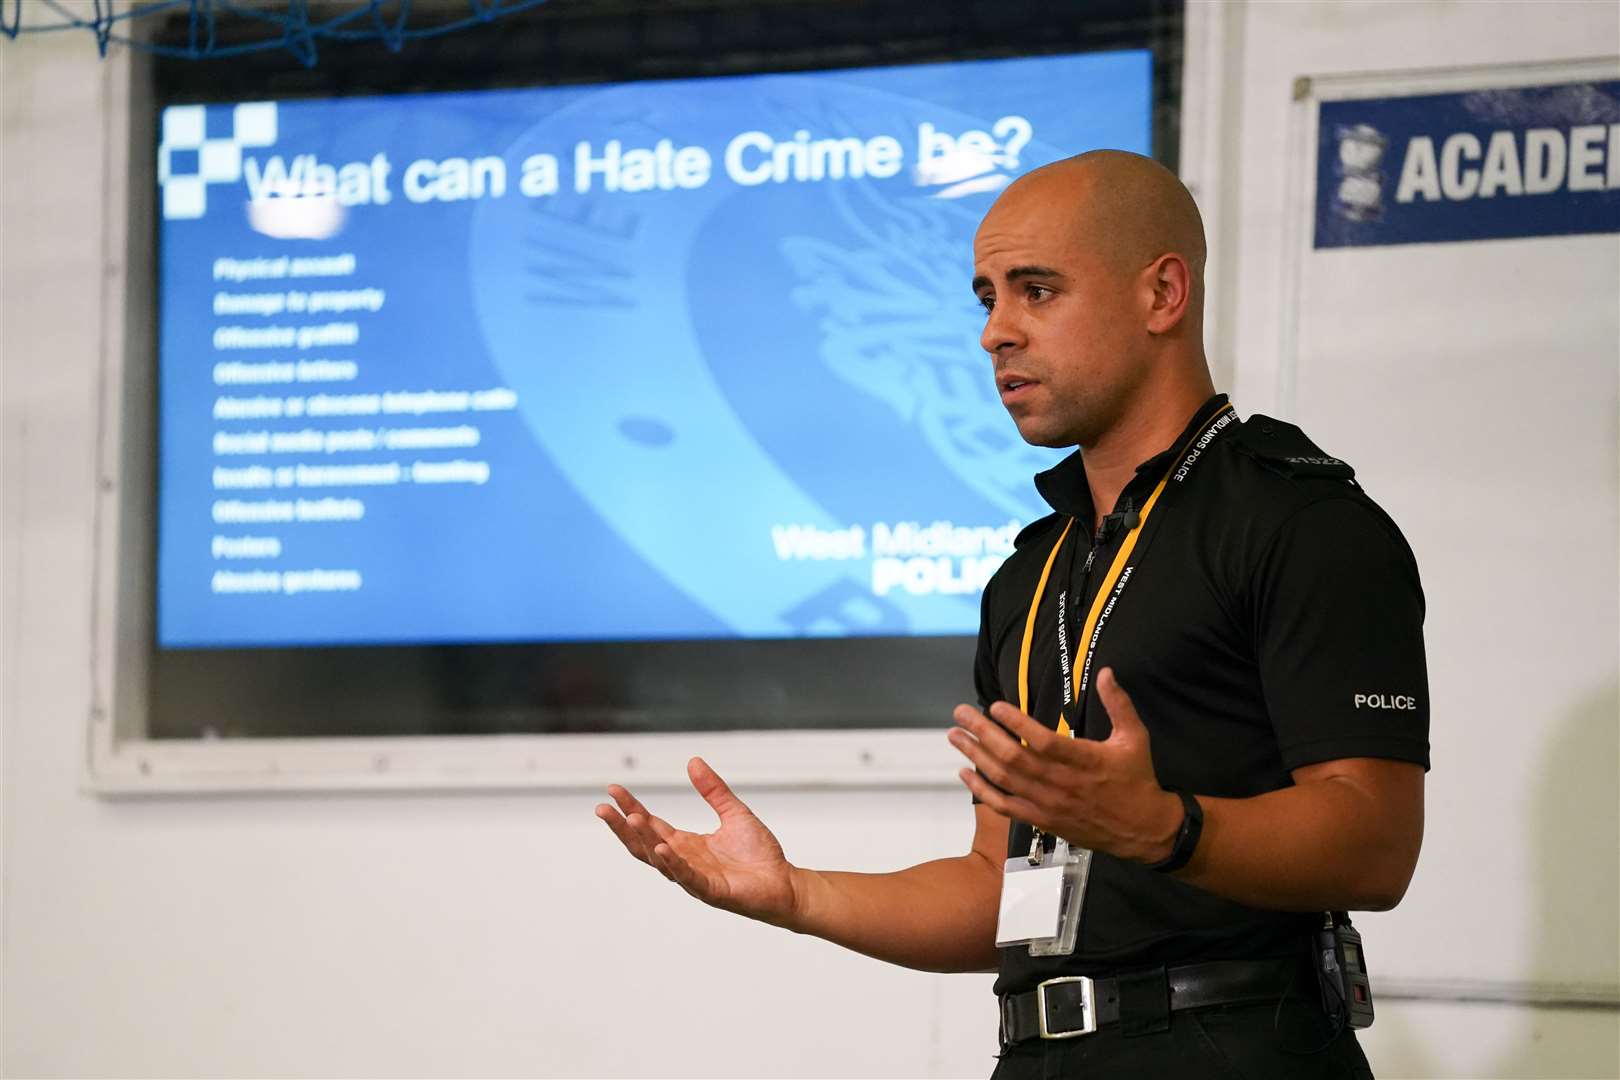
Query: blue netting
(287,24)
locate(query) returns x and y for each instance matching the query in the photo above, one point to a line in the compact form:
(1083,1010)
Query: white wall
(501,934)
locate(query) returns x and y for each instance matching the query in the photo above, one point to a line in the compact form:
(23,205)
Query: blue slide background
(692,367)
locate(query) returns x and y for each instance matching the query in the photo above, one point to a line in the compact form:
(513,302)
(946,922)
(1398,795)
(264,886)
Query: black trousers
(1233,1042)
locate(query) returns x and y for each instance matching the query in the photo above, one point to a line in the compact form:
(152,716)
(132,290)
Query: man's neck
(1146,430)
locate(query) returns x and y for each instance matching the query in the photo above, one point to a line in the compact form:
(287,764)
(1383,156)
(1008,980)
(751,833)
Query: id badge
(1041,902)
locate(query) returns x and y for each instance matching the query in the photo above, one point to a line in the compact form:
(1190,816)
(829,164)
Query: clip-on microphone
(1127,517)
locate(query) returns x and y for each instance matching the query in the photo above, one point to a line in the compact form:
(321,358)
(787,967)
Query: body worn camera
(1341,969)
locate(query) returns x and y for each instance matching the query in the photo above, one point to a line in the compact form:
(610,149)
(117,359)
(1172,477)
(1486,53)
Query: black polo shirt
(1273,619)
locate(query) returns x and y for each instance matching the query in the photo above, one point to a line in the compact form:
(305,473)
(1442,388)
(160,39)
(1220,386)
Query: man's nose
(1002,330)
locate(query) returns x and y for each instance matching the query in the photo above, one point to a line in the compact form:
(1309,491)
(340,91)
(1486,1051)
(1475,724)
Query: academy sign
(1483,165)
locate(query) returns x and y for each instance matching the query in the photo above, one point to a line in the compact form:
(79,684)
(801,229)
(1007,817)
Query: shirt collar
(1064,485)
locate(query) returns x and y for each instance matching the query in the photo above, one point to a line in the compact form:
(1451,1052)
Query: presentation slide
(688,359)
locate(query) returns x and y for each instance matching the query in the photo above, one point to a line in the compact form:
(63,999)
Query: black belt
(1140,1001)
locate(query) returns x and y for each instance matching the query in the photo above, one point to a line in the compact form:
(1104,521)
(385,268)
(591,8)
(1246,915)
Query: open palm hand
(739,867)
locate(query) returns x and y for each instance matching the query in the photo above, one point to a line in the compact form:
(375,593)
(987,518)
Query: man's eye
(987,302)
(1037,292)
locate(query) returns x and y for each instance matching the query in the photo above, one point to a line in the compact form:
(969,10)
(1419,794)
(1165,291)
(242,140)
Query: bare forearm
(936,916)
(1322,846)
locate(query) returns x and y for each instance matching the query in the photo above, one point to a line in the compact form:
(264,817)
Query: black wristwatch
(1192,827)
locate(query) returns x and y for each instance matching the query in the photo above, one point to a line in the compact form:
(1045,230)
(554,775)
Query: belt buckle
(1088,1007)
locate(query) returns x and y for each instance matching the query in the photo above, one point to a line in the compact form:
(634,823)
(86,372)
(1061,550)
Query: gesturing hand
(738,867)
(1100,795)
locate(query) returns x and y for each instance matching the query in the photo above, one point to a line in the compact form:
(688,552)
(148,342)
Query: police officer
(1205,669)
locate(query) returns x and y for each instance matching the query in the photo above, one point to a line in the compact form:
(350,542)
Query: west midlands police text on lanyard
(1042,894)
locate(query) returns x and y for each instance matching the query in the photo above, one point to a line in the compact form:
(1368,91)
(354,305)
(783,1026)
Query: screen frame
(126,758)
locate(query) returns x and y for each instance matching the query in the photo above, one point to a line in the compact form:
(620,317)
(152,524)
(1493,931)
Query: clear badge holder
(1076,863)
(1041,898)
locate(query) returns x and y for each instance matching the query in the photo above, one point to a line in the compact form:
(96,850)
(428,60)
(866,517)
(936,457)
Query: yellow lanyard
(1089,633)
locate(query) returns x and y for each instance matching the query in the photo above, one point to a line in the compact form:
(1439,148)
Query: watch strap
(1192,827)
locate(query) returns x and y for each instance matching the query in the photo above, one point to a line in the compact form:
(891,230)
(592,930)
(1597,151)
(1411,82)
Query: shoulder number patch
(1284,448)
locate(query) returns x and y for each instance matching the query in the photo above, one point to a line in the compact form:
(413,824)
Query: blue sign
(1482,165)
(689,359)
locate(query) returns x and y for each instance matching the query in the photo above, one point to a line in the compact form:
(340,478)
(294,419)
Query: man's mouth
(1012,383)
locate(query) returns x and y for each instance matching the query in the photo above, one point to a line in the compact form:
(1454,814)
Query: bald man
(1202,693)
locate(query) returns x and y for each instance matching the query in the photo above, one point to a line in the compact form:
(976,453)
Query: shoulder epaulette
(1032,528)
(1283,448)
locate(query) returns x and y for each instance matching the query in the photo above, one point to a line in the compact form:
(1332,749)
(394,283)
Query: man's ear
(1169,279)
